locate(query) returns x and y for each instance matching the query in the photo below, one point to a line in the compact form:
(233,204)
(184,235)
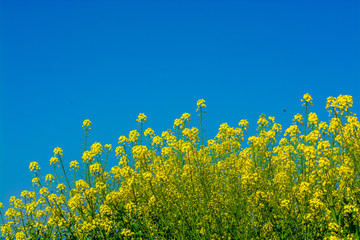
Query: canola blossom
(301,182)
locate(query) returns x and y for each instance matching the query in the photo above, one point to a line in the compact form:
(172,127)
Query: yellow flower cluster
(86,124)
(306,99)
(58,151)
(200,104)
(340,104)
(149,132)
(141,118)
(306,186)
(34,166)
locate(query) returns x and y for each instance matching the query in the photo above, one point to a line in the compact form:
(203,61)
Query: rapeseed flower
(58,151)
(54,160)
(306,99)
(142,117)
(122,139)
(149,132)
(49,178)
(61,186)
(86,124)
(74,164)
(200,104)
(133,136)
(300,187)
(34,166)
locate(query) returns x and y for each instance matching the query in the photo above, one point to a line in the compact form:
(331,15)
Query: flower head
(87,156)
(178,122)
(306,99)
(108,147)
(49,178)
(142,117)
(58,151)
(122,139)
(157,140)
(35,181)
(149,132)
(96,149)
(34,166)
(133,136)
(54,160)
(200,104)
(340,104)
(186,116)
(244,123)
(86,123)
(74,164)
(61,186)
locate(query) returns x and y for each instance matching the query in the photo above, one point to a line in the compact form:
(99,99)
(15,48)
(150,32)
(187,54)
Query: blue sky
(62,62)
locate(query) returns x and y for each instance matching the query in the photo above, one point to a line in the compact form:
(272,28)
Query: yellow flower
(186,117)
(342,103)
(105,210)
(96,149)
(127,232)
(141,117)
(54,160)
(35,181)
(157,140)
(57,151)
(133,135)
(262,121)
(122,139)
(74,164)
(313,136)
(139,151)
(149,132)
(108,146)
(20,236)
(87,156)
(119,150)
(178,122)
(34,166)
(49,178)
(298,118)
(333,226)
(323,126)
(86,123)
(200,104)
(81,184)
(313,118)
(1,205)
(293,130)
(44,191)
(96,167)
(244,123)
(61,186)
(306,99)
(40,214)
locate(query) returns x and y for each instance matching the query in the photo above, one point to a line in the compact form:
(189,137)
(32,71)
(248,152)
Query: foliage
(304,186)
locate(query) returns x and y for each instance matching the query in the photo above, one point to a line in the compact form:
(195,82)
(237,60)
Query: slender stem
(201,129)
(62,165)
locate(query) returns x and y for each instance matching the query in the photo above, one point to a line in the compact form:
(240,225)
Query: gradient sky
(62,62)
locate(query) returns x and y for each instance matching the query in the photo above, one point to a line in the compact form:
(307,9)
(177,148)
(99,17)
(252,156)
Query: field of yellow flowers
(303,186)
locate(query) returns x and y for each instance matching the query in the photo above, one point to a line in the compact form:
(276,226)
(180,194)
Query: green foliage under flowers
(303,186)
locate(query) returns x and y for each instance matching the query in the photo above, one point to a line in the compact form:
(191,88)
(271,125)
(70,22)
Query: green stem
(201,129)
(141,133)
(67,181)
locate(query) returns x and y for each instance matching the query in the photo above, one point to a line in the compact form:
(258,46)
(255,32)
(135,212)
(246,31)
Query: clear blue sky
(62,62)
